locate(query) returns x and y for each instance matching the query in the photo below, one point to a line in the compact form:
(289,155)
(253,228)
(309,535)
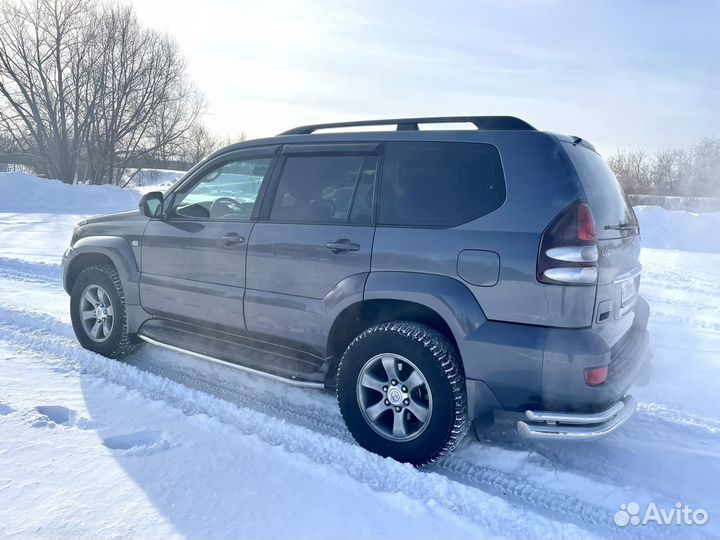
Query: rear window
(609,204)
(439,184)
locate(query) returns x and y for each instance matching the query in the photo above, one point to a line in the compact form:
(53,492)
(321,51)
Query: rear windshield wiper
(622,227)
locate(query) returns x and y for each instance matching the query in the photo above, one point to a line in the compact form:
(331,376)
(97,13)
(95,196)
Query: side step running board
(287,380)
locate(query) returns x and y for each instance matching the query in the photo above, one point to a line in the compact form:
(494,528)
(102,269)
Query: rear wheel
(401,392)
(97,310)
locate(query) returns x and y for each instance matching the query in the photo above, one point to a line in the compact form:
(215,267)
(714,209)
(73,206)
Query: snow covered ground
(164,445)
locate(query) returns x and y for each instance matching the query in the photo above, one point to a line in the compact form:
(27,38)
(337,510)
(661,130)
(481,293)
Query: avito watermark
(680,514)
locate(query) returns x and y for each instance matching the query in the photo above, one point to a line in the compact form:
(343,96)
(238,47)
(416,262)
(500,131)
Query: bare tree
(619,166)
(632,170)
(45,66)
(85,83)
(146,103)
(704,174)
(694,172)
(668,169)
(198,144)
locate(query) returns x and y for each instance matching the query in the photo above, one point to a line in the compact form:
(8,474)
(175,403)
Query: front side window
(227,192)
(325,189)
(439,184)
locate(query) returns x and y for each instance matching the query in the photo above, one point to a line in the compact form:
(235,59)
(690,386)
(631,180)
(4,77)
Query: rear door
(618,243)
(312,243)
(193,260)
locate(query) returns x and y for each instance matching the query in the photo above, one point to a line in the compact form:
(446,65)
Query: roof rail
(411,124)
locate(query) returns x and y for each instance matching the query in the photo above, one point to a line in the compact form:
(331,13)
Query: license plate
(628,290)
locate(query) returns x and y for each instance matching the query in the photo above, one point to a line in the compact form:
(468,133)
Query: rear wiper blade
(622,227)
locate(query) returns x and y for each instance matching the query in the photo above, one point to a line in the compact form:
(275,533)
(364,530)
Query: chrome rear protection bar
(575,426)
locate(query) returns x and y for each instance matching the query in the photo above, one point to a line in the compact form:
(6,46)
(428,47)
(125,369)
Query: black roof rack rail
(411,124)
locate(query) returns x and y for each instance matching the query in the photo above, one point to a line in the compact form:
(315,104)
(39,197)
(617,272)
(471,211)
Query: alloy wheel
(96,313)
(394,397)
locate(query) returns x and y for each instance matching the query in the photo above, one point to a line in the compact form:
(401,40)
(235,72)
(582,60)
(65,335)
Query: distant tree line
(693,172)
(86,90)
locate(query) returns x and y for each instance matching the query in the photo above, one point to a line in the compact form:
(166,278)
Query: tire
(412,347)
(101,282)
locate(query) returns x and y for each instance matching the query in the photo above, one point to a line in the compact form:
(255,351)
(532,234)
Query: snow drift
(666,229)
(21,192)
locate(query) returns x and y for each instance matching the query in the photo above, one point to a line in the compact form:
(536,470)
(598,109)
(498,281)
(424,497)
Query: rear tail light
(595,376)
(586,224)
(568,249)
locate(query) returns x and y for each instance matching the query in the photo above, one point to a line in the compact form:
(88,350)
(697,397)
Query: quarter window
(439,184)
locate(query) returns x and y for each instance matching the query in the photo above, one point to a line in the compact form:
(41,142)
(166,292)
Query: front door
(193,260)
(312,244)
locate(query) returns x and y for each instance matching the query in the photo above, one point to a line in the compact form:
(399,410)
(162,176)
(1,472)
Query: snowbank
(669,202)
(154,179)
(21,192)
(665,229)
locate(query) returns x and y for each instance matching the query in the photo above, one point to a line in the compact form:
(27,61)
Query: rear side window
(608,203)
(439,184)
(325,189)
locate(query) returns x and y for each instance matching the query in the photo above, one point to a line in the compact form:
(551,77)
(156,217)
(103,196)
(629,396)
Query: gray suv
(432,278)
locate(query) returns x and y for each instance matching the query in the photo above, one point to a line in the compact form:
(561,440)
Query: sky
(621,74)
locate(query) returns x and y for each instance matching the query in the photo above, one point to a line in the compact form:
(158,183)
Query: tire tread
(125,345)
(447,358)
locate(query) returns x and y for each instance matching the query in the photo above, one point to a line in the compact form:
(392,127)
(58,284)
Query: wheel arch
(103,250)
(440,302)
(361,315)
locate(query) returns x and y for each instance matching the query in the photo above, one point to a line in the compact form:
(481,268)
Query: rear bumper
(568,353)
(517,368)
(575,426)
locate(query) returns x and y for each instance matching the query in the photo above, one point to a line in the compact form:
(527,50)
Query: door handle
(232,239)
(342,245)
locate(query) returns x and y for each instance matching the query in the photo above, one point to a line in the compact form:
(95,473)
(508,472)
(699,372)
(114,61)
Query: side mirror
(151,204)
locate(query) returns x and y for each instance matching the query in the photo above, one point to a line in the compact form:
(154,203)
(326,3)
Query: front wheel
(401,392)
(97,310)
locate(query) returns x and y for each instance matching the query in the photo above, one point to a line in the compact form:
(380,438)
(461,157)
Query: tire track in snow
(680,417)
(35,272)
(513,486)
(381,474)
(48,273)
(510,486)
(37,334)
